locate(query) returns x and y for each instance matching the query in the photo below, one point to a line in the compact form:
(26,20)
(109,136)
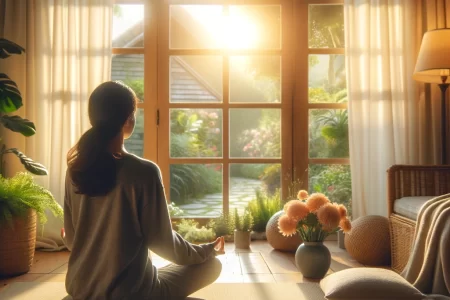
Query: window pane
(196,26)
(246,179)
(253,27)
(135,143)
(333,181)
(255,79)
(326,26)
(210,26)
(128,25)
(195,133)
(328,133)
(327,81)
(129,68)
(195,79)
(197,189)
(255,133)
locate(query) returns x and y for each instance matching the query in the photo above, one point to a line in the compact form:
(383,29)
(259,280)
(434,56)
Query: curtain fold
(384,116)
(68,53)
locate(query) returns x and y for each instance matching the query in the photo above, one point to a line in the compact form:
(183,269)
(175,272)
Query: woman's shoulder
(135,165)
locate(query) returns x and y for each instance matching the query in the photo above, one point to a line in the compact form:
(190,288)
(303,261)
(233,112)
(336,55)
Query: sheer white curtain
(68,53)
(381,46)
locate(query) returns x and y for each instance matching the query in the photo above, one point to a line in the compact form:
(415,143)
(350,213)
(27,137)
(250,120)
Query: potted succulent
(243,225)
(20,197)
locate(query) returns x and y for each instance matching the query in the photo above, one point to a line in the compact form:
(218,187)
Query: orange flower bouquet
(313,216)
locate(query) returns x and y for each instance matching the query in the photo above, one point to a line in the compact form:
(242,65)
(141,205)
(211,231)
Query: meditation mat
(216,291)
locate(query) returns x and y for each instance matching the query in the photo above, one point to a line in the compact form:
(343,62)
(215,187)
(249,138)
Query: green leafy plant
(190,230)
(272,178)
(20,193)
(11,101)
(242,222)
(174,211)
(222,225)
(263,208)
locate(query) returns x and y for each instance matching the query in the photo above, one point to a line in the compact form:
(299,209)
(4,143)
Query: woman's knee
(214,268)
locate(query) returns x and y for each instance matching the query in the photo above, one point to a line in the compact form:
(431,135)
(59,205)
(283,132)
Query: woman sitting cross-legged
(115,211)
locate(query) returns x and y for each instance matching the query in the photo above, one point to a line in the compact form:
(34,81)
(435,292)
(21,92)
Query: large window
(237,98)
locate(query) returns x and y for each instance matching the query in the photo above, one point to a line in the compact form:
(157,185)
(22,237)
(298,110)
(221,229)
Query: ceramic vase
(313,259)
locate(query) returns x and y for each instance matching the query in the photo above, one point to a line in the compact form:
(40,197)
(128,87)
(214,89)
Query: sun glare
(234,31)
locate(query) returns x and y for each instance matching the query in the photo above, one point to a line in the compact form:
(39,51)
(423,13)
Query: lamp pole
(444,86)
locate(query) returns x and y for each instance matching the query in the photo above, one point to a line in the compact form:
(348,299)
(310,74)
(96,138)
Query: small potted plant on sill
(243,225)
(20,197)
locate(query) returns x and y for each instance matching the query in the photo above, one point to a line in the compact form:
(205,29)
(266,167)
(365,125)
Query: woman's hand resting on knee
(219,245)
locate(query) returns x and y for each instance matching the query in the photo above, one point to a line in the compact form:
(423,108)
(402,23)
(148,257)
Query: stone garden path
(242,192)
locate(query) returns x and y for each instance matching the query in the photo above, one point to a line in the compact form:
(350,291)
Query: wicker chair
(411,181)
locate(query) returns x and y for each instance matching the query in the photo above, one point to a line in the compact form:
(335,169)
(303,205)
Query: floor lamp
(433,66)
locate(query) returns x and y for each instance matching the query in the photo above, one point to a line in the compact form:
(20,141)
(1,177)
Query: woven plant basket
(17,245)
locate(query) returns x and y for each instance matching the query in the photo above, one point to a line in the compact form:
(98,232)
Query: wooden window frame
(295,104)
(301,104)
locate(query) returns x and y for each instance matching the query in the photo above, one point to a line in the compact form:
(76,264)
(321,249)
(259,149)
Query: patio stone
(193,206)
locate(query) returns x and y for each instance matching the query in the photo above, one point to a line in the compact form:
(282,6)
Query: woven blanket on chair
(428,267)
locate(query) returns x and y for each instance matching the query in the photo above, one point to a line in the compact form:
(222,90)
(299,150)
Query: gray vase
(313,259)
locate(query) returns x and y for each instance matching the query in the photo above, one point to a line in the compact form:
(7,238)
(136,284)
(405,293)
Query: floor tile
(258,278)
(52,278)
(47,262)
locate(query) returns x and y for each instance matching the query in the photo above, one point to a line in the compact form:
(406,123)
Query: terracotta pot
(17,244)
(242,239)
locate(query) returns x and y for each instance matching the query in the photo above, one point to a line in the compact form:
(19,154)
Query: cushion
(409,207)
(368,283)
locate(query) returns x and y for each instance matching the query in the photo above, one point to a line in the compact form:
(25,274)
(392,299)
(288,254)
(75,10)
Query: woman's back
(109,254)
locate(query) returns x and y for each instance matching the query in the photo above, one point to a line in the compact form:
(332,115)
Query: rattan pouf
(369,241)
(277,240)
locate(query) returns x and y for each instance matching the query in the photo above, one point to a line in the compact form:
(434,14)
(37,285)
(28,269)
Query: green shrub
(174,210)
(190,230)
(272,178)
(263,208)
(222,226)
(242,222)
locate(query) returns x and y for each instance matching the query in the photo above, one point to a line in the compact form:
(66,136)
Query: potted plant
(20,197)
(262,209)
(243,225)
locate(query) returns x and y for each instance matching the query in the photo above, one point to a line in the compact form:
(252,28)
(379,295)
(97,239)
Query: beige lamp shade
(434,57)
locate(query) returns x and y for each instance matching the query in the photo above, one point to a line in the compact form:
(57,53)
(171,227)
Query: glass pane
(326,26)
(253,27)
(128,25)
(209,26)
(197,189)
(333,181)
(246,179)
(328,133)
(255,79)
(196,26)
(195,133)
(255,132)
(327,82)
(135,143)
(129,68)
(195,79)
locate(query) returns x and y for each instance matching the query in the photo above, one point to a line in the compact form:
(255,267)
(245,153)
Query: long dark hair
(91,164)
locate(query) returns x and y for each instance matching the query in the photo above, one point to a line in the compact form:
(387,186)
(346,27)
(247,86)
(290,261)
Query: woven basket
(17,245)
(402,236)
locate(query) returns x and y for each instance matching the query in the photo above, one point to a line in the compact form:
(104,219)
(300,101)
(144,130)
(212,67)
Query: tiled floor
(259,264)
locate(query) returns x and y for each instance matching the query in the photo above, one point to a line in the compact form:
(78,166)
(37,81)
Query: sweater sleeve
(157,228)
